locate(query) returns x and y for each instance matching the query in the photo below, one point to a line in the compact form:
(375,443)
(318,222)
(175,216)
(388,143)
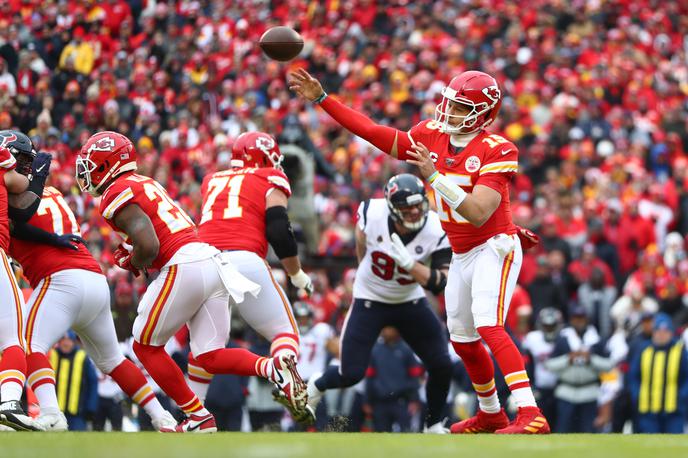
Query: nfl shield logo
(449,161)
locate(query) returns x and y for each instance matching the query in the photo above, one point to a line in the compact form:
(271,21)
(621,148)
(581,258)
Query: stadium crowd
(596,100)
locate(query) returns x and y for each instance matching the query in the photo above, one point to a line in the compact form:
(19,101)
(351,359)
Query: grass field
(333,445)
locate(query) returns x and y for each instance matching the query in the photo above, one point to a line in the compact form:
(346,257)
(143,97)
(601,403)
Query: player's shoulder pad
(276,178)
(501,155)
(423,130)
(7,160)
(115,198)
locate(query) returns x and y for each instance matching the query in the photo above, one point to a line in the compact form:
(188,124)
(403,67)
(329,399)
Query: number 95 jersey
(172,225)
(489,160)
(378,278)
(233,215)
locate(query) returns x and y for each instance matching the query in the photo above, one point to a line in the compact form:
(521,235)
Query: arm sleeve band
(437,281)
(25,214)
(279,233)
(359,124)
(23,231)
(450,192)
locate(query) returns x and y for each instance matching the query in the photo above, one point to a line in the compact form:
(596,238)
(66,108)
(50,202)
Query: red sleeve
(277,179)
(359,124)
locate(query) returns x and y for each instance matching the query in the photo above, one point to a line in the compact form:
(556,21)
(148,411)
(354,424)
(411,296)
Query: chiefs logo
(7,138)
(472,164)
(265,144)
(103,144)
(493,93)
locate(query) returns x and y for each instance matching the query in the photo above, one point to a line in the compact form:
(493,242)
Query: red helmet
(104,156)
(480,92)
(256,149)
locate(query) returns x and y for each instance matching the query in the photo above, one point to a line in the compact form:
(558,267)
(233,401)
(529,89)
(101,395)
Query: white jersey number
(215,186)
(172,215)
(58,209)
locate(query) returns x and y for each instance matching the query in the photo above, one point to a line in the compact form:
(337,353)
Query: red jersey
(7,162)
(489,160)
(172,225)
(40,260)
(233,216)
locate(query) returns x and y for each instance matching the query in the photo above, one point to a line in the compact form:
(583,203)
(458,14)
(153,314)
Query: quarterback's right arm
(139,228)
(392,141)
(281,237)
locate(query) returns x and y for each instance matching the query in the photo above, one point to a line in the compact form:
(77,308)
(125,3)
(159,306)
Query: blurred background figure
(658,381)
(392,382)
(76,382)
(538,346)
(578,358)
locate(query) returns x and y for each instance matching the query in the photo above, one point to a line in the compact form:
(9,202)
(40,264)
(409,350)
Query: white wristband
(300,279)
(450,192)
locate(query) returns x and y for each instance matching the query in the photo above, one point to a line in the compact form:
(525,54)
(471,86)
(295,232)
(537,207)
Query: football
(281,43)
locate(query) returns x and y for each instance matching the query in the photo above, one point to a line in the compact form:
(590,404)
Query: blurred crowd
(596,99)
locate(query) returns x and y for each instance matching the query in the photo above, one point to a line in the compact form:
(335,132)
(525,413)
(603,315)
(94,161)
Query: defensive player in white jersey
(402,252)
(538,346)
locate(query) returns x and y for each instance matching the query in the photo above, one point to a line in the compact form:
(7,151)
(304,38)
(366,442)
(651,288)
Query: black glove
(71,241)
(41,166)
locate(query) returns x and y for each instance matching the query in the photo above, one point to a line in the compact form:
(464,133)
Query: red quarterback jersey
(233,216)
(489,160)
(39,259)
(172,225)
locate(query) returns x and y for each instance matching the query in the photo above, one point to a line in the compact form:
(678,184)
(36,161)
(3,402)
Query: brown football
(281,43)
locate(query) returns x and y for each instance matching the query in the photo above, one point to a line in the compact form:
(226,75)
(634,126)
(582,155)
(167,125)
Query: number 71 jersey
(38,260)
(173,227)
(233,214)
(489,160)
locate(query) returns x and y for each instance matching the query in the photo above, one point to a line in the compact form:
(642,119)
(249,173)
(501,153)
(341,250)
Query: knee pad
(107,365)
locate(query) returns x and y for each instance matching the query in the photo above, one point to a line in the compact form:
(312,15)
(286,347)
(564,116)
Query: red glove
(123,260)
(528,238)
(7,161)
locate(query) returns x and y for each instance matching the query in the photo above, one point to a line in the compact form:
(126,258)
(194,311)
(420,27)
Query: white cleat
(6,429)
(314,394)
(437,428)
(53,422)
(12,415)
(164,423)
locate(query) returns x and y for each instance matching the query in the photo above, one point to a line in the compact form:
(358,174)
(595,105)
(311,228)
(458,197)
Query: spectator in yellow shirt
(81,51)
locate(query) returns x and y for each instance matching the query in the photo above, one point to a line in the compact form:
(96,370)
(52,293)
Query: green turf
(333,445)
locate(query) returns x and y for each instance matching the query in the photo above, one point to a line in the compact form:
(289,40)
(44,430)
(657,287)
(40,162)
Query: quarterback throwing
(469,168)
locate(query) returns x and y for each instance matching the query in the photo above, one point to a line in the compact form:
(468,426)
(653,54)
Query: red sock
(39,370)
(236,361)
(476,360)
(507,355)
(133,382)
(168,376)
(285,343)
(12,373)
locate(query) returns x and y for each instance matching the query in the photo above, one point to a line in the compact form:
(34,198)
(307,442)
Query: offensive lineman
(20,178)
(192,288)
(249,202)
(402,250)
(70,291)
(469,169)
